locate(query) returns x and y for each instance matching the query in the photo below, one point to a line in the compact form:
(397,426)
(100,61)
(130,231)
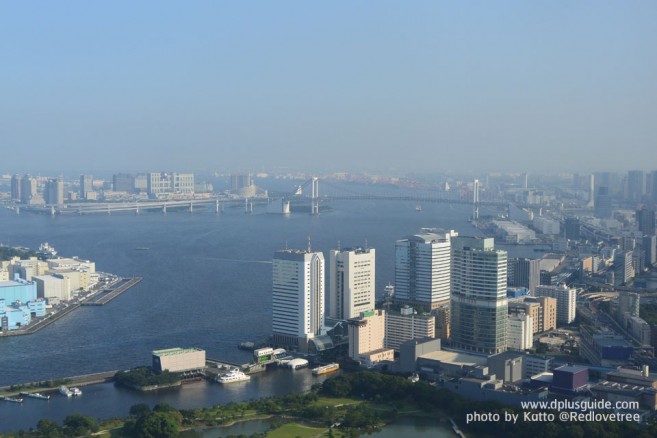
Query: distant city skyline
(374,86)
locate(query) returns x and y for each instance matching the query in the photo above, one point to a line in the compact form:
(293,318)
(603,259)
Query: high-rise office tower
(123,182)
(602,207)
(591,190)
(653,186)
(16,188)
(649,244)
(422,269)
(297,297)
(54,192)
(636,185)
(28,189)
(522,272)
(645,220)
(86,185)
(479,303)
(351,282)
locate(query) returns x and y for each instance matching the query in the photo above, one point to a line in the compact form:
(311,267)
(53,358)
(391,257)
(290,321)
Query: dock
(105,296)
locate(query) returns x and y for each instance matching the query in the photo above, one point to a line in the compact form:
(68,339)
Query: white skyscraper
(422,269)
(297,297)
(479,303)
(351,282)
(520,332)
(566,301)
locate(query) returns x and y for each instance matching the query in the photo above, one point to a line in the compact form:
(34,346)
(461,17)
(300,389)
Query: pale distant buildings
(86,186)
(547,226)
(54,191)
(351,282)
(423,269)
(297,297)
(167,184)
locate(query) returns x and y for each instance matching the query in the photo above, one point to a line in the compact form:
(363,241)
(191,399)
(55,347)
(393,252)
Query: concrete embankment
(98,299)
(83,380)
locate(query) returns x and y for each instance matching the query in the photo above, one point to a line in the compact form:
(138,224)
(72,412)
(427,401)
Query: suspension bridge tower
(475,199)
(314,198)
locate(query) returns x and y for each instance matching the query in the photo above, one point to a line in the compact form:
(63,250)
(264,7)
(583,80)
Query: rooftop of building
(455,357)
(610,340)
(622,388)
(506,355)
(571,368)
(12,283)
(175,351)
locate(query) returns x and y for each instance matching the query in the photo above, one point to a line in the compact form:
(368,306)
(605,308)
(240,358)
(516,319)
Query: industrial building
(179,360)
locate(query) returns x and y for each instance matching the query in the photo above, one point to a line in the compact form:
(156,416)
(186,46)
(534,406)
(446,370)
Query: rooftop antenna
(339,246)
(286,244)
(309,245)
(366,244)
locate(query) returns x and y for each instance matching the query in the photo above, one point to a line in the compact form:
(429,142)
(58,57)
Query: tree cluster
(144,376)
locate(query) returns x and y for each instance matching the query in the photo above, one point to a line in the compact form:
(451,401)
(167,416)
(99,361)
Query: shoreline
(121,286)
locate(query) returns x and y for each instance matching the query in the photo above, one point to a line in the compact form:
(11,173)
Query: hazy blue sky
(412,86)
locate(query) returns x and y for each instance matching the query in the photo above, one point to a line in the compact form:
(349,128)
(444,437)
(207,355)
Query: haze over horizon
(410,87)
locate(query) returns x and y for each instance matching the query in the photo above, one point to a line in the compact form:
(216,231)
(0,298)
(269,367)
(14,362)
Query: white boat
(47,249)
(76,391)
(13,400)
(233,375)
(325,369)
(418,208)
(63,390)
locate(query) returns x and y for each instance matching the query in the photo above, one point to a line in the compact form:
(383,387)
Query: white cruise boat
(234,375)
(47,249)
(76,391)
(63,390)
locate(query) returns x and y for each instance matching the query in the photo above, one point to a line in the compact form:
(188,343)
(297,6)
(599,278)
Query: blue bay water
(207,280)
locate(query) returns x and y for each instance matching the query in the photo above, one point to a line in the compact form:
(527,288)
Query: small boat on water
(418,208)
(142,248)
(45,248)
(234,375)
(13,399)
(63,390)
(325,369)
(76,391)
